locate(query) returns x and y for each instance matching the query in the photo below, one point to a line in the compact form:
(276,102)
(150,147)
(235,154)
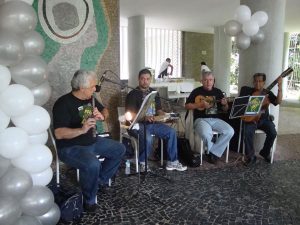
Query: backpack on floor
(70,203)
(185,153)
(71,207)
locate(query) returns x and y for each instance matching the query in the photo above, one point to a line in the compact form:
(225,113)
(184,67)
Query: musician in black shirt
(263,121)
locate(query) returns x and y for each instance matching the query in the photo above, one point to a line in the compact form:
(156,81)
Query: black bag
(70,204)
(186,154)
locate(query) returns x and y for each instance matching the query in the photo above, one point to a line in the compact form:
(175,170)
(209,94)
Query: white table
(177,88)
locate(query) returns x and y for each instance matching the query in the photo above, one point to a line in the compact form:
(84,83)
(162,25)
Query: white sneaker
(176,166)
(143,168)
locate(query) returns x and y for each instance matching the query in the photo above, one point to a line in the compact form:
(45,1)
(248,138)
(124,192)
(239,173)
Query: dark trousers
(249,131)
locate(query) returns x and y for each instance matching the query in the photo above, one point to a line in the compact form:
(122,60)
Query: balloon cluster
(246,28)
(24,158)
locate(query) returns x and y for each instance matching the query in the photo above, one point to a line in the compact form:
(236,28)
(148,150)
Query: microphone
(102,79)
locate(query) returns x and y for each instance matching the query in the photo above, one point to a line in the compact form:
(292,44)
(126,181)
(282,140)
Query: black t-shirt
(135,98)
(264,113)
(71,112)
(215,95)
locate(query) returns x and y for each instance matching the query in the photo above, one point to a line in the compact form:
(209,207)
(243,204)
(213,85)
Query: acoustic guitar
(266,102)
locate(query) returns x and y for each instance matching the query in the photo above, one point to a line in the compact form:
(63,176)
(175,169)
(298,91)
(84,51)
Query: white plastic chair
(257,131)
(124,134)
(194,138)
(134,141)
(57,162)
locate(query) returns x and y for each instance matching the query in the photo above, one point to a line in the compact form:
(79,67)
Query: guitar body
(208,99)
(266,102)
(249,119)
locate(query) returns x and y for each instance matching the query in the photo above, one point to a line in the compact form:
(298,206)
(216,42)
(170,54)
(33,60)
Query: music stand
(246,106)
(139,120)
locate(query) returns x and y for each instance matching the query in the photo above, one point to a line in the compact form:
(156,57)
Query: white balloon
(4,165)
(31,71)
(51,217)
(13,142)
(232,27)
(28,220)
(243,41)
(40,138)
(15,183)
(41,93)
(4,121)
(250,28)
(27,1)
(35,159)
(5,78)
(43,178)
(258,38)
(242,14)
(10,210)
(260,17)
(36,120)
(16,100)
(33,43)
(11,48)
(18,17)
(37,201)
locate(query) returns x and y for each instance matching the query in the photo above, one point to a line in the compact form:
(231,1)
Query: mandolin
(266,102)
(210,99)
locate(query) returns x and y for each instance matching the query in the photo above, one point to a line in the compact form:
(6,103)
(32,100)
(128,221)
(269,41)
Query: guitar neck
(283,74)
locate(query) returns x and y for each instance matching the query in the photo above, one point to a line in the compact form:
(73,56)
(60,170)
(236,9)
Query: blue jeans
(205,127)
(249,131)
(160,130)
(91,170)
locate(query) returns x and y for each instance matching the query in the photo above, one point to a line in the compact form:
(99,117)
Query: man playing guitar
(262,121)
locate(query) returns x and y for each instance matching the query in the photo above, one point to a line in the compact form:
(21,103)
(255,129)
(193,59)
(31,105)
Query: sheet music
(144,107)
(246,106)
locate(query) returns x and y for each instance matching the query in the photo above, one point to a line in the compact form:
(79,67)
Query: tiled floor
(224,194)
(229,194)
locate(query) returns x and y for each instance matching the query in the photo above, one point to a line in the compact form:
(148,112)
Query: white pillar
(267,56)
(222,54)
(136,48)
(285,61)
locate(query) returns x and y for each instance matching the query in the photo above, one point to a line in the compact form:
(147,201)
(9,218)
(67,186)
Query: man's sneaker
(143,168)
(175,166)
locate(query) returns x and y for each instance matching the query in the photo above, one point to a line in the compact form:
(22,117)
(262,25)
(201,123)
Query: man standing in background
(164,68)
(204,68)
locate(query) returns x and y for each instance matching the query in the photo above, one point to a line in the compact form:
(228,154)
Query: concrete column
(222,53)
(285,61)
(267,56)
(136,48)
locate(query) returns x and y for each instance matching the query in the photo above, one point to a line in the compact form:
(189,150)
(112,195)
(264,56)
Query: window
(159,45)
